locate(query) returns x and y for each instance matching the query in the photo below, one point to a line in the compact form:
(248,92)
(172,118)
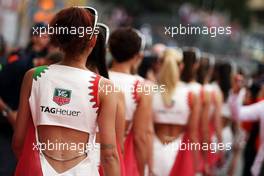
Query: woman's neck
(78,62)
(121,67)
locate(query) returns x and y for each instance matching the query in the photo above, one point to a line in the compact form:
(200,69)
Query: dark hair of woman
(147,64)
(96,60)
(191,57)
(206,68)
(124,43)
(223,75)
(69,18)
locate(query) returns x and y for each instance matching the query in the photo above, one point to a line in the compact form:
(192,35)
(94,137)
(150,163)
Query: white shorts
(164,156)
(85,167)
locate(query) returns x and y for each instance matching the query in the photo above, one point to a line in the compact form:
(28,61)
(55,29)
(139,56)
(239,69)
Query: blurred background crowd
(243,50)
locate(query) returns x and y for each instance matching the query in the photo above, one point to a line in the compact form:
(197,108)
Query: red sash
(183,164)
(130,161)
(29,161)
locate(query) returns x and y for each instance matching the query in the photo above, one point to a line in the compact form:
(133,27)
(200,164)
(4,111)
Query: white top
(252,112)
(128,84)
(195,87)
(178,112)
(65,96)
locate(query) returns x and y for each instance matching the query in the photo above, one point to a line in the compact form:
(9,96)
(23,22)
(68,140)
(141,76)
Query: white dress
(67,97)
(164,155)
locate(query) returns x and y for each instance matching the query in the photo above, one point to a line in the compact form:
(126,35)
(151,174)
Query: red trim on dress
(135,95)
(94,87)
(190,99)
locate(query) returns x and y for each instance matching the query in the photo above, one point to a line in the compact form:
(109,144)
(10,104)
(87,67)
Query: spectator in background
(253,112)
(252,129)
(18,62)
(7,160)
(2,52)
(11,76)
(37,47)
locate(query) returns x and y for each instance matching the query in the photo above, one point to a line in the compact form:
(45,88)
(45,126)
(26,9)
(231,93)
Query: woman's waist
(171,119)
(78,125)
(168,132)
(63,142)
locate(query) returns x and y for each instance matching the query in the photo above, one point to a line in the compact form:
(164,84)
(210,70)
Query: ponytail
(96,61)
(169,73)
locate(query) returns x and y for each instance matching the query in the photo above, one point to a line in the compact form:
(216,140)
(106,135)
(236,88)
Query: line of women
(176,129)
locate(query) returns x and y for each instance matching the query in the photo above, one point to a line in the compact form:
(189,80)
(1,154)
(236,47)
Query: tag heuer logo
(62,96)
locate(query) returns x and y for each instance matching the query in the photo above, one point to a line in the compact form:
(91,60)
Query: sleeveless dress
(171,158)
(128,84)
(61,96)
(213,157)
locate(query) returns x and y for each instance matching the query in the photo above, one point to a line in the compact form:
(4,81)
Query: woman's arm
(106,123)
(245,113)
(120,119)
(143,130)
(193,125)
(205,117)
(23,115)
(251,112)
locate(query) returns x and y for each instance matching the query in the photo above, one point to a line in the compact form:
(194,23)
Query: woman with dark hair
(223,74)
(126,46)
(60,105)
(191,62)
(96,62)
(231,133)
(191,58)
(211,114)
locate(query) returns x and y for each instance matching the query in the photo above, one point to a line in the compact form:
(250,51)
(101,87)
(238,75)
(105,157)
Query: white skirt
(164,155)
